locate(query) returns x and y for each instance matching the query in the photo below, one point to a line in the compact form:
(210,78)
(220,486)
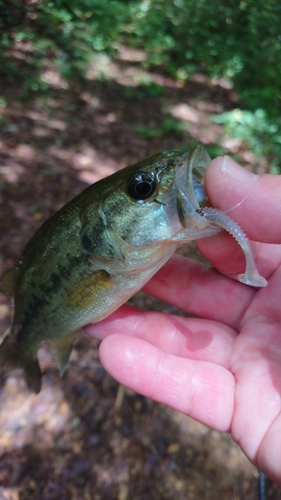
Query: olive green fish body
(97,251)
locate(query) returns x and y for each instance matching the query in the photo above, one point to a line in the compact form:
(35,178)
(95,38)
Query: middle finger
(191,338)
(201,291)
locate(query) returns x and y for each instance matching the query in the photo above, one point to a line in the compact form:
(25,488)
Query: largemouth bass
(101,248)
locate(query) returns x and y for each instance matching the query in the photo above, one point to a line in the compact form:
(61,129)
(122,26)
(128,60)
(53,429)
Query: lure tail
(12,356)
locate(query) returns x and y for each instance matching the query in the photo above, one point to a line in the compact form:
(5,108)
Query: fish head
(158,200)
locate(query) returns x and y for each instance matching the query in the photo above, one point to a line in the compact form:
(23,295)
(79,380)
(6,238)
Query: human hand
(222,368)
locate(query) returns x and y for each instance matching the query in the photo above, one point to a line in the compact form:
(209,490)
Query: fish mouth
(188,198)
(189,180)
(191,195)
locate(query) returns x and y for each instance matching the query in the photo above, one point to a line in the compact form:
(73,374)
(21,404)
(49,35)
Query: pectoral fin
(7,283)
(62,348)
(83,294)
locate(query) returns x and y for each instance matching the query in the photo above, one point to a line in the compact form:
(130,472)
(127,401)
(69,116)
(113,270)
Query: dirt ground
(84,436)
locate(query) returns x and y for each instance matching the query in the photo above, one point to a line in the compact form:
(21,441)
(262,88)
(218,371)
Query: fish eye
(141,186)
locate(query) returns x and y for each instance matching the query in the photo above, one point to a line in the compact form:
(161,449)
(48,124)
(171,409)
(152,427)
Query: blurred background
(86,88)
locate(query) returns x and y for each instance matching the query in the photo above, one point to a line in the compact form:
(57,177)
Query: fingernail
(234,171)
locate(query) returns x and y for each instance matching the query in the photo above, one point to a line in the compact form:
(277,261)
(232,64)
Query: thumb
(253,201)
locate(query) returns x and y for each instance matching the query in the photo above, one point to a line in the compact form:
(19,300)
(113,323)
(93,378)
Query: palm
(256,366)
(222,367)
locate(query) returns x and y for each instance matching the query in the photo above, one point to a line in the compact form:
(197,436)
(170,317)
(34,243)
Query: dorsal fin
(7,283)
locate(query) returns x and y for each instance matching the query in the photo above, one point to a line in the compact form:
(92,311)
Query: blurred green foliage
(66,31)
(170,125)
(149,90)
(262,134)
(240,40)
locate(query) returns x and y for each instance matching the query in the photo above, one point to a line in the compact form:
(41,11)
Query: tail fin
(12,356)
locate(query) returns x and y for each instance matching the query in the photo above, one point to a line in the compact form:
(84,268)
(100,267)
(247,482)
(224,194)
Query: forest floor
(84,436)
